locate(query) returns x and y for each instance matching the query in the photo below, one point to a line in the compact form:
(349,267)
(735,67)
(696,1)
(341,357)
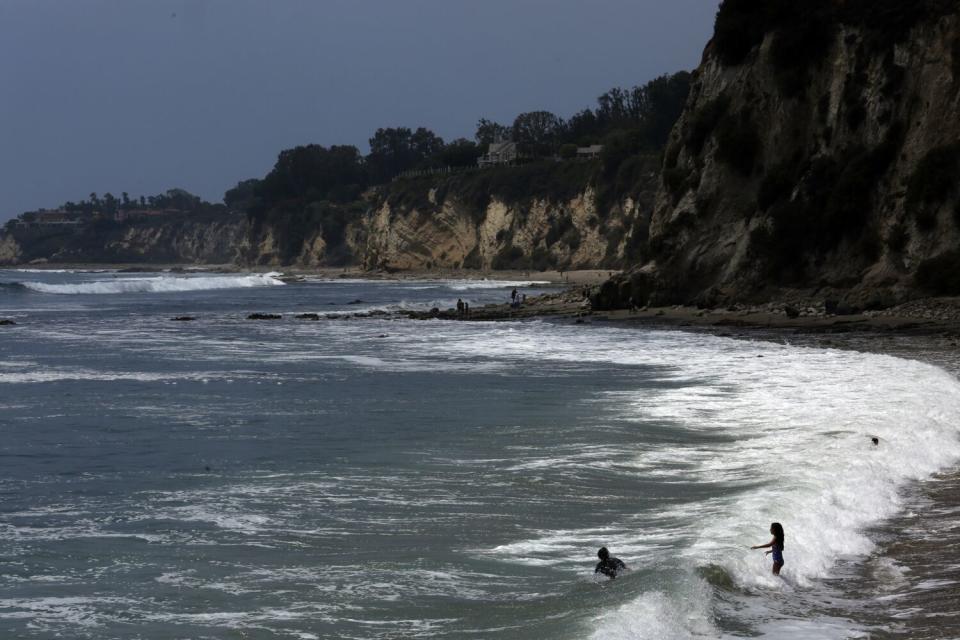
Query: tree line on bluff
(625,121)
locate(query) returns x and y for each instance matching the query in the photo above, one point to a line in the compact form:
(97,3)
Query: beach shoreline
(911,543)
(578,277)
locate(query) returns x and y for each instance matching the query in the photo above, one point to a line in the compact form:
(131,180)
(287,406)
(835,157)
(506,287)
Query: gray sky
(144,95)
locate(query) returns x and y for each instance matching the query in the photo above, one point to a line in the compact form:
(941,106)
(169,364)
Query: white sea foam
(456,285)
(159,284)
(472,285)
(796,423)
(74,612)
(33,376)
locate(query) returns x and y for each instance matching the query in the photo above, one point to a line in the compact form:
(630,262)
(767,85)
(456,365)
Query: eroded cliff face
(835,175)
(10,251)
(197,243)
(206,241)
(466,222)
(540,234)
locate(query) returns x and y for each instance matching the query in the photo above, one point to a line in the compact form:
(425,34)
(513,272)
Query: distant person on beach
(513,296)
(776,546)
(608,565)
(466,309)
(459,307)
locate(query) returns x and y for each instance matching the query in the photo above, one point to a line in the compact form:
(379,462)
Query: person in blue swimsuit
(776,546)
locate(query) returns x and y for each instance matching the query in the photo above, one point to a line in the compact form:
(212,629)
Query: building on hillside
(140,214)
(586,153)
(499,153)
(54,218)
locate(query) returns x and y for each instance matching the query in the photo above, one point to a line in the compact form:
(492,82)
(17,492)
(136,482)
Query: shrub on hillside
(781,245)
(934,178)
(832,202)
(777,185)
(677,181)
(805,35)
(509,257)
(807,27)
(704,121)
(940,275)
(740,26)
(738,143)
(898,237)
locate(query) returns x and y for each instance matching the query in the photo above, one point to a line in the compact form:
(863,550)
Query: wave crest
(158,284)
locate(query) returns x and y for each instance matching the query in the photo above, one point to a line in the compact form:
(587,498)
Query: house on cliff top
(499,153)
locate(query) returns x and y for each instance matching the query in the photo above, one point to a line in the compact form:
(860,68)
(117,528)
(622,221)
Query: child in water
(608,565)
(776,546)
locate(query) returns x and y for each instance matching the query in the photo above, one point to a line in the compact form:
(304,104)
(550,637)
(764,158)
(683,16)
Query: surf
(153,284)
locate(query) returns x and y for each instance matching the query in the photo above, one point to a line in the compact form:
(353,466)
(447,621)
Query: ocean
(389,478)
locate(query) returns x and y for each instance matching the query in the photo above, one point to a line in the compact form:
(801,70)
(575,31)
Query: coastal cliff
(202,240)
(819,151)
(817,157)
(548,215)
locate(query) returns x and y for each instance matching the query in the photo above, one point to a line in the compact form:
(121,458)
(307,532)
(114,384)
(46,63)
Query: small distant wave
(158,284)
(456,285)
(63,270)
(471,285)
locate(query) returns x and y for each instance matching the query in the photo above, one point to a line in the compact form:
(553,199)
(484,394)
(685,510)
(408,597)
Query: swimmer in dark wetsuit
(776,546)
(608,565)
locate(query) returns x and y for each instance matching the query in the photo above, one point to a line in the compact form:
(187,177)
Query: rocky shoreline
(930,317)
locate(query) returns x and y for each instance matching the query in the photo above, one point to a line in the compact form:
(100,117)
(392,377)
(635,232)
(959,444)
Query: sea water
(389,478)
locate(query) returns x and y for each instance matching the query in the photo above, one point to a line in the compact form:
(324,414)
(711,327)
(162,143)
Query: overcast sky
(144,95)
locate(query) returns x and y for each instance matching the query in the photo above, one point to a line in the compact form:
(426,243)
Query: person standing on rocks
(459,307)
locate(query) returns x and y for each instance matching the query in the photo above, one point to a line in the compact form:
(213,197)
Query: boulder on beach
(264,316)
(6,321)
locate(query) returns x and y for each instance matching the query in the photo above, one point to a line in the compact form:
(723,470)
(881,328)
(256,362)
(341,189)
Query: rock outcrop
(819,150)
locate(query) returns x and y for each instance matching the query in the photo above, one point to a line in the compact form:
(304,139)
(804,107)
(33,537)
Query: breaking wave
(155,284)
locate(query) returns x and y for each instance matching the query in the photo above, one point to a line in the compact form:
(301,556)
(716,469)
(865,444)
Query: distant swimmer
(776,546)
(875,440)
(608,565)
